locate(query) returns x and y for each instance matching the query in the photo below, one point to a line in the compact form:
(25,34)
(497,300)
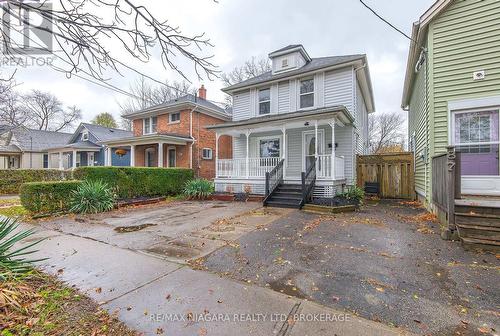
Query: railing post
(451,178)
(303,185)
(267,184)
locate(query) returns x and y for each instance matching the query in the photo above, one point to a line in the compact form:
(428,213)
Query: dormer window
(265,101)
(284,63)
(306,93)
(150,125)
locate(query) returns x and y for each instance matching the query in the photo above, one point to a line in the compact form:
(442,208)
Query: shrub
(11,179)
(13,261)
(130,182)
(198,189)
(92,197)
(43,198)
(355,194)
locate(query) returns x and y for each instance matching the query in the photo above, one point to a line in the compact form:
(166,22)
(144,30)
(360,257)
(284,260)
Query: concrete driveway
(143,264)
(385,263)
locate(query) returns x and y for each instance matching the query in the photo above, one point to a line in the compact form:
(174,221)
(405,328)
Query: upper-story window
(85,136)
(284,63)
(174,117)
(150,125)
(306,93)
(265,101)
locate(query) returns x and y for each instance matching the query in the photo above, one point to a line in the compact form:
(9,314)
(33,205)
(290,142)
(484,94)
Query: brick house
(173,134)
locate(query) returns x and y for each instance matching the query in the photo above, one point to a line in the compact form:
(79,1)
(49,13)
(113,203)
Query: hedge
(131,182)
(43,198)
(11,179)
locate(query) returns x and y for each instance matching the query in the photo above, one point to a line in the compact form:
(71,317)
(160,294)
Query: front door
(90,158)
(309,147)
(171,157)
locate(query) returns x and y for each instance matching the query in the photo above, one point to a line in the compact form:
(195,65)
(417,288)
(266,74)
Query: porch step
(286,196)
(478,223)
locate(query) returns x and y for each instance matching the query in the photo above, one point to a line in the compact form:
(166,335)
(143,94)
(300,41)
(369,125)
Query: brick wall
(203,139)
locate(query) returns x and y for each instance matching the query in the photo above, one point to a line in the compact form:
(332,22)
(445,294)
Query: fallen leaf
(98,290)
(159,331)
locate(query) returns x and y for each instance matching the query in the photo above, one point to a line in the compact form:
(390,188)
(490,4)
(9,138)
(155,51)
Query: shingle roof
(105,133)
(315,64)
(291,46)
(37,140)
(189,98)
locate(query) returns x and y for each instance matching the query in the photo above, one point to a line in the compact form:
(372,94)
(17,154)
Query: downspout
(191,135)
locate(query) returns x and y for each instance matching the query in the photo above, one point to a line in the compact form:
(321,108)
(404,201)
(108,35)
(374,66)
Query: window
(206,154)
(45,160)
(476,127)
(284,63)
(174,117)
(307,93)
(269,148)
(150,125)
(265,101)
(85,136)
(150,157)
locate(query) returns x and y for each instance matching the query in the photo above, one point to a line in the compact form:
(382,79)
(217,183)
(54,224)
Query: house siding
(338,88)
(465,39)
(417,125)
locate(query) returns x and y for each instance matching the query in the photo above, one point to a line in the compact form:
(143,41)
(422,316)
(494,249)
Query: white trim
(467,106)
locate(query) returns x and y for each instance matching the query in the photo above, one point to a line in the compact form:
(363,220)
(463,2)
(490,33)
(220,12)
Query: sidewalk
(155,296)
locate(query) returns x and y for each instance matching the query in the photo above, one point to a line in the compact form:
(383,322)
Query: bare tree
(146,95)
(45,111)
(11,112)
(82,29)
(252,68)
(386,131)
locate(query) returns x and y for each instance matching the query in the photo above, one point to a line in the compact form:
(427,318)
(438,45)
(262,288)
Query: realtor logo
(26,27)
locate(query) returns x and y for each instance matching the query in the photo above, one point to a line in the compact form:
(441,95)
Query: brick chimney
(202,92)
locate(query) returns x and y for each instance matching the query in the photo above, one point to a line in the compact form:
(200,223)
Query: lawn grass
(39,304)
(14,211)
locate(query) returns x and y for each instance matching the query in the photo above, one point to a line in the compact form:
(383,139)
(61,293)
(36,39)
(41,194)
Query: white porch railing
(258,167)
(325,167)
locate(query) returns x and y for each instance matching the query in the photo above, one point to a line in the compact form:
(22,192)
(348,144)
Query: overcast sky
(240,29)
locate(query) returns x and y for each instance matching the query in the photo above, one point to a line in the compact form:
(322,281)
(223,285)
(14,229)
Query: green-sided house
(452,93)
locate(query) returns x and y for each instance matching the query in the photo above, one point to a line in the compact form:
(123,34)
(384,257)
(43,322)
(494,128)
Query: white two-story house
(303,123)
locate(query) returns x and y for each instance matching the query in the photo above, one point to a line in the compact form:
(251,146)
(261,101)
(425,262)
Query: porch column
(316,145)
(160,154)
(247,161)
(217,136)
(283,130)
(73,161)
(61,166)
(109,157)
(132,156)
(332,124)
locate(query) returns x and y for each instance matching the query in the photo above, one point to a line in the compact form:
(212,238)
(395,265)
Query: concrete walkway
(157,296)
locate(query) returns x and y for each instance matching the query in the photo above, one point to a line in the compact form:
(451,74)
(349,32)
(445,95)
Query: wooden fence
(393,171)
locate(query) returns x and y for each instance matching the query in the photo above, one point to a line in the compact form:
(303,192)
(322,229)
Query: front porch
(324,140)
(74,156)
(155,150)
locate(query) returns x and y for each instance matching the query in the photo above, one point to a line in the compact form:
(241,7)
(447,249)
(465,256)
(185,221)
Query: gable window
(265,101)
(306,95)
(85,136)
(174,117)
(206,154)
(150,125)
(284,63)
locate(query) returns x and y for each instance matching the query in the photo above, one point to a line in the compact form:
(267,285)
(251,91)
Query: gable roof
(30,140)
(291,48)
(105,133)
(418,35)
(314,64)
(190,100)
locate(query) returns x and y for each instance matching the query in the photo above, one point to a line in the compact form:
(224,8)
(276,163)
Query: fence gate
(393,171)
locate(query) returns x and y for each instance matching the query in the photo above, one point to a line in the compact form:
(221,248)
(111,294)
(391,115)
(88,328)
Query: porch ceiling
(151,139)
(289,120)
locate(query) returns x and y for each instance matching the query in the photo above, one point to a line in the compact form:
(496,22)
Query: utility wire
(391,25)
